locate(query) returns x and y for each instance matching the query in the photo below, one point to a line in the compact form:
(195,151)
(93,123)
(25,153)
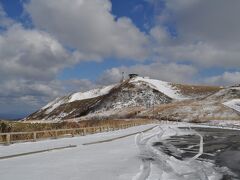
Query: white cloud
(168,72)
(215,20)
(159,35)
(208,32)
(4,19)
(30,62)
(201,54)
(23,96)
(31,54)
(176,5)
(79,85)
(89,26)
(227,78)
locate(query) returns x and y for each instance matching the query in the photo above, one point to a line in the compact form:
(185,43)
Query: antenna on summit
(122,77)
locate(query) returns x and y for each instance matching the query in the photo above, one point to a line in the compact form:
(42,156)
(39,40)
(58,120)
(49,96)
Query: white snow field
(76,97)
(122,159)
(161,86)
(234,104)
(91,94)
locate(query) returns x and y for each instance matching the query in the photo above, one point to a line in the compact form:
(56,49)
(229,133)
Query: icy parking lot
(168,151)
(195,152)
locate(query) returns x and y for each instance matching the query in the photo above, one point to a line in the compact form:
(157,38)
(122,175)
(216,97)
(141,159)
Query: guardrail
(13,137)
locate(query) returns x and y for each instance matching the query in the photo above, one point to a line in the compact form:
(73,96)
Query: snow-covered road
(158,164)
(152,155)
(105,161)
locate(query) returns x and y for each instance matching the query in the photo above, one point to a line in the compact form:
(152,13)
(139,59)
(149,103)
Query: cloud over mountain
(187,38)
(89,27)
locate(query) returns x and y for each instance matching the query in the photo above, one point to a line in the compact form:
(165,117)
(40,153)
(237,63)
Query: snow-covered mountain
(135,93)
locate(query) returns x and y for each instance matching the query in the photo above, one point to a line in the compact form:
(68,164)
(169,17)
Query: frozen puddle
(187,154)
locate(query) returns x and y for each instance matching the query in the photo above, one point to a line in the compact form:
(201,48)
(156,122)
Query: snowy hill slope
(76,97)
(161,86)
(234,104)
(222,105)
(226,94)
(134,92)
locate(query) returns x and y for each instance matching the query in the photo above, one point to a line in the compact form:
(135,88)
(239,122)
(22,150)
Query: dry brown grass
(82,128)
(174,105)
(189,90)
(195,111)
(30,127)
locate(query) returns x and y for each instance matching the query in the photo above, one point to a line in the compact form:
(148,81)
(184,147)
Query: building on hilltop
(132,76)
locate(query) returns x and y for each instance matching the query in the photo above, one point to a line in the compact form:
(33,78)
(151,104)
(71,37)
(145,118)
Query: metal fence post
(55,134)
(73,132)
(8,139)
(34,136)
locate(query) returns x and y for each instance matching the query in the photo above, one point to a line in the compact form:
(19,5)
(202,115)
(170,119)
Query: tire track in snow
(145,168)
(120,137)
(168,166)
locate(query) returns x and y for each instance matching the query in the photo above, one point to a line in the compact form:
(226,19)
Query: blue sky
(50,48)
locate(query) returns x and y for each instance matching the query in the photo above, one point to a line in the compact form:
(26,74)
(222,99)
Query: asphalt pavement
(221,147)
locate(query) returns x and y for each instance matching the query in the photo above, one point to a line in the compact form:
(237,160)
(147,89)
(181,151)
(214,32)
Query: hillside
(222,105)
(125,99)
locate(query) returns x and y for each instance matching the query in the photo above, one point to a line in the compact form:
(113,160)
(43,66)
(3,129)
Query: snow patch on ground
(51,103)
(76,97)
(234,104)
(54,105)
(162,86)
(91,94)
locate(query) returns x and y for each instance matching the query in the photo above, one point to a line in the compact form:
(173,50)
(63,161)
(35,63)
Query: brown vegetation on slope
(199,90)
